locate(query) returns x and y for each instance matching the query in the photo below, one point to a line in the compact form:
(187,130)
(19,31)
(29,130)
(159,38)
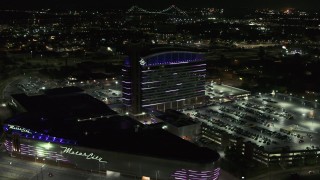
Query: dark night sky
(105,4)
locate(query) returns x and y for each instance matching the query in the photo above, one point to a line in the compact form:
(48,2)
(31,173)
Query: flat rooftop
(119,134)
(65,103)
(63,91)
(176,118)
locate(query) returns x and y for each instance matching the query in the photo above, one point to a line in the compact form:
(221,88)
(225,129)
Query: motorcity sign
(18,128)
(69,150)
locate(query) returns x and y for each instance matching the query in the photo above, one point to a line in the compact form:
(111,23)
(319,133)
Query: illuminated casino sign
(68,150)
(142,62)
(18,128)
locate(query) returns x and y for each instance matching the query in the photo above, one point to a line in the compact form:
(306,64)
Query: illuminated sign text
(68,150)
(21,129)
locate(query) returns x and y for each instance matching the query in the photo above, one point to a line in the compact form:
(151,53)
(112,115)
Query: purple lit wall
(185,174)
(33,151)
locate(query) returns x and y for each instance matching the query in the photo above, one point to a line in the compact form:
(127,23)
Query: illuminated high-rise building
(163,79)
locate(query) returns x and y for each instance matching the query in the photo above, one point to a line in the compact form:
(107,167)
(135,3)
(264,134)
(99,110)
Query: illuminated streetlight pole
(290,96)
(157,174)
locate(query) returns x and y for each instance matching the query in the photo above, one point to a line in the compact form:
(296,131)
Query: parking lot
(108,90)
(109,96)
(223,93)
(269,120)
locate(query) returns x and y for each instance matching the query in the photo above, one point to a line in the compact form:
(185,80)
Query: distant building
(163,78)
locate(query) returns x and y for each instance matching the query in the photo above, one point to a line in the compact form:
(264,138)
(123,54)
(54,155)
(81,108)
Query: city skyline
(162,89)
(96,4)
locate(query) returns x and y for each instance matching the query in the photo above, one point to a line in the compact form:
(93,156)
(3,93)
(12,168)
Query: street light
(57,160)
(157,174)
(303,103)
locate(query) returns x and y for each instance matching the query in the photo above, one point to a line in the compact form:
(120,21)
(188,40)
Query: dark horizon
(105,4)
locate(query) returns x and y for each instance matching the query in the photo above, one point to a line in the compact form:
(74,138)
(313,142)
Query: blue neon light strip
(169,58)
(39,136)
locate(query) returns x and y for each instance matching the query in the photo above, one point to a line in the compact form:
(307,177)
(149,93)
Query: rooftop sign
(69,150)
(18,128)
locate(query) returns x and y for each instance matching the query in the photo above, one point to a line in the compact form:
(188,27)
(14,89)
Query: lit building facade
(165,80)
